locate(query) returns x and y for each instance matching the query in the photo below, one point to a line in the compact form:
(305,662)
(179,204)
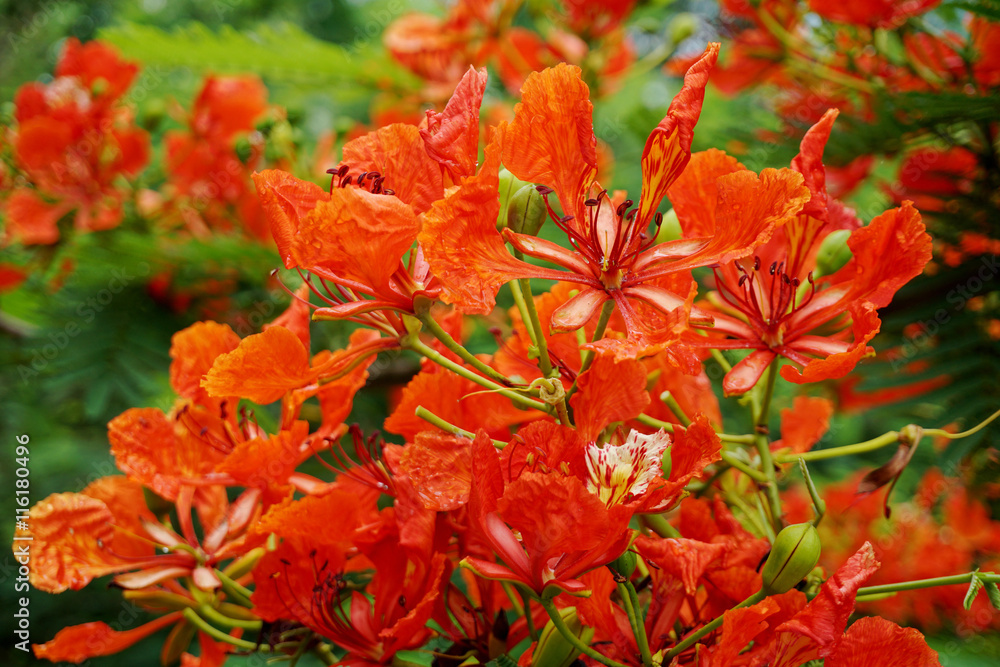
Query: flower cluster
(572,493)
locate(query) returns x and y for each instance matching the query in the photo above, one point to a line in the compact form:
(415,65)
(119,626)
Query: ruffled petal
(695,195)
(397,153)
(462,245)
(262,369)
(357,236)
(609,391)
(452,136)
(551,140)
(286,201)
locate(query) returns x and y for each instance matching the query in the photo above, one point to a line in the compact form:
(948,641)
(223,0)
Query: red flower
(73,141)
(548,529)
(773,304)
(207,179)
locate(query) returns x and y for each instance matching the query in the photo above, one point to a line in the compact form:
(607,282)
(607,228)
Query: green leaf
(993,593)
(283,53)
(974,587)
(502,661)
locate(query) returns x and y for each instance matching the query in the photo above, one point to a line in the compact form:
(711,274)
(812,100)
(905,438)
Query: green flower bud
(794,554)
(526,211)
(509,184)
(624,564)
(681,27)
(833,253)
(553,650)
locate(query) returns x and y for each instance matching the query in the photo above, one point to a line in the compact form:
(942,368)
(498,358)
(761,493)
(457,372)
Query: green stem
(438,332)
(522,307)
(675,407)
(239,594)
(936,432)
(325,653)
(432,418)
(634,611)
(764,448)
(192,617)
(987,577)
(731,460)
(711,626)
(528,618)
(670,428)
(884,440)
(544,363)
(721,360)
(660,526)
(576,642)
(420,347)
(819,507)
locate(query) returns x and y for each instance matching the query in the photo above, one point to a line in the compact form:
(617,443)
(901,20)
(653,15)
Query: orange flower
(73,141)
(207,180)
(357,240)
(773,304)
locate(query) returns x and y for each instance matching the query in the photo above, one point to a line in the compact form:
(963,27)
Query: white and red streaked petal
(619,471)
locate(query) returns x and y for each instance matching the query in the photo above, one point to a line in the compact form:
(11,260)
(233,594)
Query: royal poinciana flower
(357,240)
(551,142)
(773,303)
(73,141)
(207,180)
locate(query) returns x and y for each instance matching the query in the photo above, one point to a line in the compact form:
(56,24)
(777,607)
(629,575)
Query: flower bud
(526,211)
(833,253)
(509,184)
(624,564)
(681,27)
(794,554)
(553,650)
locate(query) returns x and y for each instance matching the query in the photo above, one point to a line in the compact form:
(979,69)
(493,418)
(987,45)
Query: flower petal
(668,147)
(193,351)
(262,369)
(357,236)
(462,245)
(452,136)
(397,153)
(551,140)
(78,643)
(286,201)
(878,642)
(695,195)
(609,391)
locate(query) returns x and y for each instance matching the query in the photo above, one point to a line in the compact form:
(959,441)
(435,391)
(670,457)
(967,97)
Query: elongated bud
(794,554)
(243,565)
(553,650)
(526,211)
(833,253)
